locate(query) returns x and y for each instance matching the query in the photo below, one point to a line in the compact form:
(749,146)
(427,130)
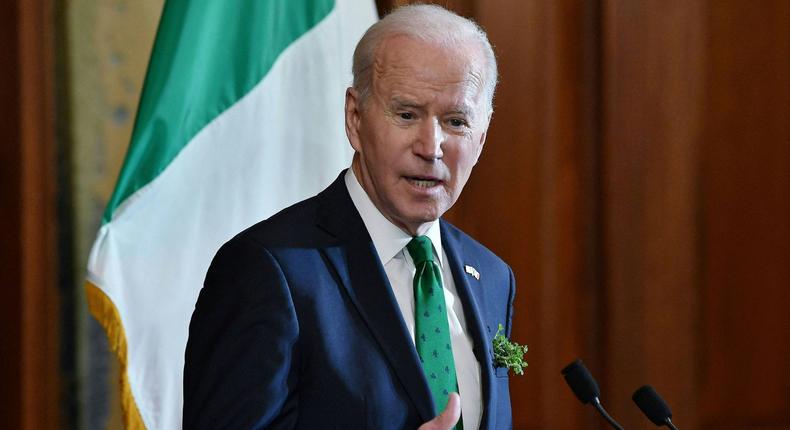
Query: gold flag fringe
(105,312)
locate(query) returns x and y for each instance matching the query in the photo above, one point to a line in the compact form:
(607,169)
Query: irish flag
(241,115)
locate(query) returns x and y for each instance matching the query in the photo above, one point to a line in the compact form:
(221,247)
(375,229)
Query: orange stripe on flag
(105,312)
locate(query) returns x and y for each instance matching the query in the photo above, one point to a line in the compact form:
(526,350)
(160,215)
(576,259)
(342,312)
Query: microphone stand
(606,416)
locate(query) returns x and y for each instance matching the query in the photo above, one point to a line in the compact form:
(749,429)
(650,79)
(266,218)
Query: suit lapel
(363,277)
(472,298)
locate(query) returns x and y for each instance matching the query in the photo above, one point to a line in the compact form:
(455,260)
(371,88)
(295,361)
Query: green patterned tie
(431,329)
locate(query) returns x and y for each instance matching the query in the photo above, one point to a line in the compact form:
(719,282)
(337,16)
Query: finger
(448,418)
(452,412)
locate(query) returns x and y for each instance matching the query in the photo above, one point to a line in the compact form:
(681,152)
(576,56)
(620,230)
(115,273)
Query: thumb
(448,418)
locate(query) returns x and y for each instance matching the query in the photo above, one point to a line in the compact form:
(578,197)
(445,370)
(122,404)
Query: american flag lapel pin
(472,271)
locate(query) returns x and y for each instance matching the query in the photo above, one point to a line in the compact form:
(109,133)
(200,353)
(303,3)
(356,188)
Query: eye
(406,115)
(457,122)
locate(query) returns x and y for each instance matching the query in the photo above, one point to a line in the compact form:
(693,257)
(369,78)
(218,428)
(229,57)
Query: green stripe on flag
(207,55)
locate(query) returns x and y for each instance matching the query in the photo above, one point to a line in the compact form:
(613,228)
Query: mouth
(425,182)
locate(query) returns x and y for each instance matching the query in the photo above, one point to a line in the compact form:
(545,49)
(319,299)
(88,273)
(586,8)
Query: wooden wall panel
(533,196)
(746,195)
(652,89)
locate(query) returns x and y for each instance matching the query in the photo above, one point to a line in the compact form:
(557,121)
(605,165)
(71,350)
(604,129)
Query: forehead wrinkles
(403,78)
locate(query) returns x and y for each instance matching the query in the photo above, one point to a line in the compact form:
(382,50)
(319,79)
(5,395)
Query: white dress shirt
(390,243)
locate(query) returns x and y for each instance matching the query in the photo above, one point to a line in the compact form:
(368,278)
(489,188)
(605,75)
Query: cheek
(463,160)
(393,151)
(374,152)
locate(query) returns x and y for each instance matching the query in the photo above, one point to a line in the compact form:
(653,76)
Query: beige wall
(106,51)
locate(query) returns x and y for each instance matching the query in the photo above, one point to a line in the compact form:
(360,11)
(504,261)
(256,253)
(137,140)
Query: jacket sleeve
(239,369)
(510,300)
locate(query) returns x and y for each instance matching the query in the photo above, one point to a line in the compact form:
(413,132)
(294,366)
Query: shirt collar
(388,239)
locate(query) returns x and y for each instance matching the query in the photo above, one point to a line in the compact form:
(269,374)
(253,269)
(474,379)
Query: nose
(428,144)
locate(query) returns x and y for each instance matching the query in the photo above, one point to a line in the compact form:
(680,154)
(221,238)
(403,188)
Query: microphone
(586,389)
(653,406)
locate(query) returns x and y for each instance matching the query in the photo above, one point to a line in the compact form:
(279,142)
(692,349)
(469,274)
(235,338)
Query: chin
(427,216)
(419,212)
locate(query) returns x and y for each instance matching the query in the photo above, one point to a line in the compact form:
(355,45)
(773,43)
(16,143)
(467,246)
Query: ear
(353,118)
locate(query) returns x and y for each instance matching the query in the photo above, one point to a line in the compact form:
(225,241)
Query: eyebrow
(406,103)
(462,109)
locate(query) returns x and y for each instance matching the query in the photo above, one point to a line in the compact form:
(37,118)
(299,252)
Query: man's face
(421,130)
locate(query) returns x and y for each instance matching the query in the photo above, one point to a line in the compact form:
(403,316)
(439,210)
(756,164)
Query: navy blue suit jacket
(296,327)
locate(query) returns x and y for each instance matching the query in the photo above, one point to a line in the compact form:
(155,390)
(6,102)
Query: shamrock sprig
(508,354)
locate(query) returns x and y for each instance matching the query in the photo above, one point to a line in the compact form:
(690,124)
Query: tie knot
(421,249)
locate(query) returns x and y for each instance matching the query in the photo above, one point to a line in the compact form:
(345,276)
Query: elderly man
(360,308)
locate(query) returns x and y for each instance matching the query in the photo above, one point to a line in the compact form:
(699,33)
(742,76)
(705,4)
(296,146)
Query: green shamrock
(508,354)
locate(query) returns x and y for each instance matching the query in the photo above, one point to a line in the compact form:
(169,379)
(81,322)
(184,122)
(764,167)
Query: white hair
(429,23)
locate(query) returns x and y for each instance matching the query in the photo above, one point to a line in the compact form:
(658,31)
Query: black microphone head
(653,406)
(581,382)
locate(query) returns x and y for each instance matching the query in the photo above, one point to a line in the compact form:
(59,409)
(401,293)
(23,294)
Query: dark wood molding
(30,389)
(10,217)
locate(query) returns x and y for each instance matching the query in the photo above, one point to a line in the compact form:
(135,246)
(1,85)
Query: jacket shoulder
(292,226)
